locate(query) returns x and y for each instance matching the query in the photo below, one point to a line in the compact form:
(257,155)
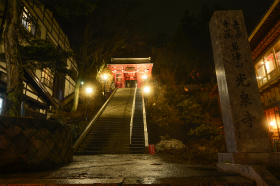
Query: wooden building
(128,72)
(265,47)
(42,89)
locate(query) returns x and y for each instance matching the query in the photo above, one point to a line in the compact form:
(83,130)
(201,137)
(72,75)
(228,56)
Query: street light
(105,79)
(144,77)
(88,90)
(147,89)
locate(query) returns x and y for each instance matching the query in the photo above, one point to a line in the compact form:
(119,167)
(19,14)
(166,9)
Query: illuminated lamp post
(146,91)
(88,90)
(82,83)
(105,79)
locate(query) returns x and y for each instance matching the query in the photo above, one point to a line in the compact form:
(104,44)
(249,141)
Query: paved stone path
(127,169)
(120,105)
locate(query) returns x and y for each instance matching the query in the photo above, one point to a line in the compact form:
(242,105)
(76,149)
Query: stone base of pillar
(261,158)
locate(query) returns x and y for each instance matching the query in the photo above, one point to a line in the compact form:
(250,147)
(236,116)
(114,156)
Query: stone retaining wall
(27,143)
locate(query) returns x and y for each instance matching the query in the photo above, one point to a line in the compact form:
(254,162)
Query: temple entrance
(130,83)
(128,72)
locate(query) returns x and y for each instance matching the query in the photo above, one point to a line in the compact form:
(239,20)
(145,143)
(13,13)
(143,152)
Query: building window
(270,66)
(28,21)
(273,122)
(277,54)
(261,73)
(47,78)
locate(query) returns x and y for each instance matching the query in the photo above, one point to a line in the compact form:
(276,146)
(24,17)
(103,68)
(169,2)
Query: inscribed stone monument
(246,130)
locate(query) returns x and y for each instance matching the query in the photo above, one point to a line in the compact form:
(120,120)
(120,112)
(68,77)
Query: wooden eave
(130,60)
(266,31)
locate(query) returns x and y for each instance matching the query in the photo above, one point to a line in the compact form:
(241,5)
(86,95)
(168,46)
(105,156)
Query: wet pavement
(127,170)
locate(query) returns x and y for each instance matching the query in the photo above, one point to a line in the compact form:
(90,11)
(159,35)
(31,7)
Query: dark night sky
(165,15)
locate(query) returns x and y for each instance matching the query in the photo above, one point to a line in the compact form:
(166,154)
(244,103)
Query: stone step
(137,142)
(140,132)
(105,139)
(137,146)
(103,149)
(109,132)
(117,146)
(110,124)
(137,137)
(107,136)
(101,152)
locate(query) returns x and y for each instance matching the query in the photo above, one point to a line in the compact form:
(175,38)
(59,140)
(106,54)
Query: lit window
(27,22)
(47,78)
(269,63)
(261,70)
(278,57)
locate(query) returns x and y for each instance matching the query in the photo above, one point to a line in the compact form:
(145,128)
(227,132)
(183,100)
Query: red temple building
(129,72)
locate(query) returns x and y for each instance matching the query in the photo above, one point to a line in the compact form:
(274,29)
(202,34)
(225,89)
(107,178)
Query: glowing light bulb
(146,89)
(89,90)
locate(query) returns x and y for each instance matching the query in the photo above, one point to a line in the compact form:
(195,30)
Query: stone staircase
(107,136)
(137,138)
(110,134)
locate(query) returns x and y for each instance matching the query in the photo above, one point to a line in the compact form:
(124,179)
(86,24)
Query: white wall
(50,27)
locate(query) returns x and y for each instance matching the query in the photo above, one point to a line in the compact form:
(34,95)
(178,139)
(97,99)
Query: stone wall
(27,143)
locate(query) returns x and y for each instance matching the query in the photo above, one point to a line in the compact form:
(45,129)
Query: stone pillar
(245,127)
(123,80)
(139,79)
(115,79)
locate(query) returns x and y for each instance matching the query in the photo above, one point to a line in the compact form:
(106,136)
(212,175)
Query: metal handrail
(83,135)
(39,84)
(145,126)
(132,113)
